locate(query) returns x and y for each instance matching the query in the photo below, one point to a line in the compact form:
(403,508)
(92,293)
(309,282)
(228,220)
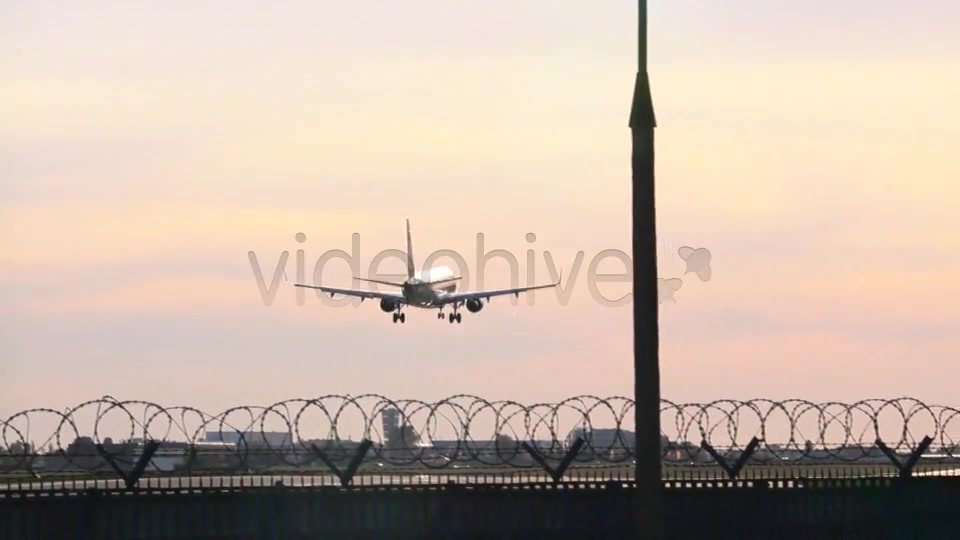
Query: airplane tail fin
(411,268)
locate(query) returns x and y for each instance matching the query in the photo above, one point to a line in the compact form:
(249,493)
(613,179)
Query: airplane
(434,288)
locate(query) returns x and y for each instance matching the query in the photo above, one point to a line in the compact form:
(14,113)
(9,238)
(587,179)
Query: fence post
(555,474)
(131,478)
(905,469)
(345,477)
(734,470)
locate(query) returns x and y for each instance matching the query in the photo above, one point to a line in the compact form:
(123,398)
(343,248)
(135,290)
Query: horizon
(900,423)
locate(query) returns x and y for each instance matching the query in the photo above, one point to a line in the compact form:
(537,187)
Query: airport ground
(485,475)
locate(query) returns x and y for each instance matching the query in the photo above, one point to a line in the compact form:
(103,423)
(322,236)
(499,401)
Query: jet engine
(474,305)
(388,305)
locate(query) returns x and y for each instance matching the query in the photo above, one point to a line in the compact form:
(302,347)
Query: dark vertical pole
(646,343)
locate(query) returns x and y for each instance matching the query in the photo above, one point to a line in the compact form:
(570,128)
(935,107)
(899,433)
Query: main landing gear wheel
(455,317)
(402,317)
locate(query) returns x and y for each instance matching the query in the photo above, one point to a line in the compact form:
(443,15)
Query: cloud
(815,365)
(168,295)
(116,234)
(261,354)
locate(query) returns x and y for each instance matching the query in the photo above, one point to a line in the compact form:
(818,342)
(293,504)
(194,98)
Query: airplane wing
(359,293)
(458,297)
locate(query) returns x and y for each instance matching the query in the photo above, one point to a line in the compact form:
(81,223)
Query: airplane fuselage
(420,292)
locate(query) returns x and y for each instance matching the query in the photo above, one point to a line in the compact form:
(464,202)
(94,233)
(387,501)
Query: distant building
(611,442)
(391,421)
(273,439)
(602,439)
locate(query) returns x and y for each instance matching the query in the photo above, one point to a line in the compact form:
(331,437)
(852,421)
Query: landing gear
(402,317)
(440,315)
(455,316)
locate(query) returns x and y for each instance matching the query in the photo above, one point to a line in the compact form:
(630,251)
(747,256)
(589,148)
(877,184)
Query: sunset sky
(147,148)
